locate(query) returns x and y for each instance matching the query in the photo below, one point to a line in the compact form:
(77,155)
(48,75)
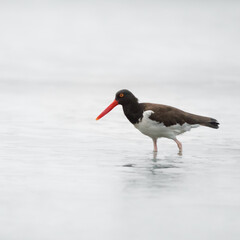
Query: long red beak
(108,109)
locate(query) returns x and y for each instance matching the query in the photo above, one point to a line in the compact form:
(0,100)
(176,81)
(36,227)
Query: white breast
(154,129)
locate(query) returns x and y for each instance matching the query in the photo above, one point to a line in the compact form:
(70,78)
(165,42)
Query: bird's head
(122,97)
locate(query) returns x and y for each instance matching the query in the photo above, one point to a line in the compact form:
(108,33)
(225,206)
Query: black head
(125,97)
(130,105)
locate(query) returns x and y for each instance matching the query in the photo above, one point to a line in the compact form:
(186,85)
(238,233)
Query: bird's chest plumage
(156,129)
(133,113)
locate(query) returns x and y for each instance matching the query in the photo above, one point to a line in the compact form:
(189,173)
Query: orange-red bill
(108,109)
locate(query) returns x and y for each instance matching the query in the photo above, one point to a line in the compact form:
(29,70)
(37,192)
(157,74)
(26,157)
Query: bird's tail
(210,122)
(201,120)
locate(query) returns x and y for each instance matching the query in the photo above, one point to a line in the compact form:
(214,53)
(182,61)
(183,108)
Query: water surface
(65,175)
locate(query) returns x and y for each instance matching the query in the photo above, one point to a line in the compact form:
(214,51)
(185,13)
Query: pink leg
(179,145)
(155,145)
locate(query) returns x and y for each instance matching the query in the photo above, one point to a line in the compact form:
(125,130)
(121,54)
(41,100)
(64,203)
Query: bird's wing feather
(170,116)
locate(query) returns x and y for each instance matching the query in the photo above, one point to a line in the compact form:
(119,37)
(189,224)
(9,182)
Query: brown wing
(170,116)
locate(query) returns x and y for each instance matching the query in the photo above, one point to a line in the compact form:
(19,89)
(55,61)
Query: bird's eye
(121,95)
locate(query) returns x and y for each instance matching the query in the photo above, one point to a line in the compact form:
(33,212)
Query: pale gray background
(65,176)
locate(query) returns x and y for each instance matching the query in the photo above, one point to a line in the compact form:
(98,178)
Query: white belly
(155,130)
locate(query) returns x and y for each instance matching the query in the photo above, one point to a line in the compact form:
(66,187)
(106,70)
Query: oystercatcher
(157,120)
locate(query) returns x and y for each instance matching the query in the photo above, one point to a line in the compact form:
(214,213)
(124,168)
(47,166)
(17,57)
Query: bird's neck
(133,111)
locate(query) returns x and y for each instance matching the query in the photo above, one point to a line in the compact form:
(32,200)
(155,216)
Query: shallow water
(65,175)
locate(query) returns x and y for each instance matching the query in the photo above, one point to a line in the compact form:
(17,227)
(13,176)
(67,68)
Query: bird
(158,120)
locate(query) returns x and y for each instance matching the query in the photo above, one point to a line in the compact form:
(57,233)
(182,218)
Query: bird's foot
(154,156)
(179,144)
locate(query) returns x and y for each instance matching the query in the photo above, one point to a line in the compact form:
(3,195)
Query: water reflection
(171,161)
(129,165)
(144,173)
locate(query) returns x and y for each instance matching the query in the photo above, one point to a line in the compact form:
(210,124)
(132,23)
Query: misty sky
(106,40)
